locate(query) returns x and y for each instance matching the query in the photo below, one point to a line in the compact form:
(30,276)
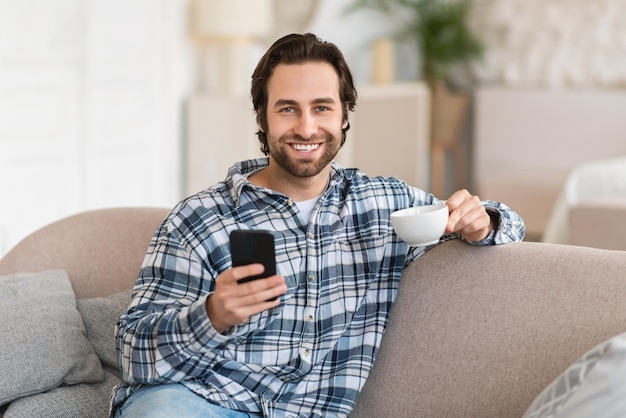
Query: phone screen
(253,246)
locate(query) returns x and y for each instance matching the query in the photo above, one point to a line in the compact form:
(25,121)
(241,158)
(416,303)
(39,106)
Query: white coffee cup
(420,225)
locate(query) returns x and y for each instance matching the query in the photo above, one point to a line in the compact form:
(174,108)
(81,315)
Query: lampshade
(233,18)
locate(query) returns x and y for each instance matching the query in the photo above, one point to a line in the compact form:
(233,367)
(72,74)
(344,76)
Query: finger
(478,226)
(227,287)
(253,301)
(462,216)
(454,203)
(242,272)
(473,221)
(455,218)
(260,290)
(457,199)
(234,304)
(242,313)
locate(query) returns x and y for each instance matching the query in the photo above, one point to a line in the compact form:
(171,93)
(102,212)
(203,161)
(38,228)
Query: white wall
(90,107)
(92,102)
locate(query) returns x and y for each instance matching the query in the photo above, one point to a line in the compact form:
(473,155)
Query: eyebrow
(289,102)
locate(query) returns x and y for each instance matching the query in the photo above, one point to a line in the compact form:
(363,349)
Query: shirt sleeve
(166,328)
(510,228)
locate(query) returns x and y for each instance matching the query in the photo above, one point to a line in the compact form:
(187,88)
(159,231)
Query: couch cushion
(43,342)
(87,400)
(593,386)
(100,316)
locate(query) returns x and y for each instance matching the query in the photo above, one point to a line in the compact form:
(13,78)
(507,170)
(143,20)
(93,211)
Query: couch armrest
(101,250)
(481,331)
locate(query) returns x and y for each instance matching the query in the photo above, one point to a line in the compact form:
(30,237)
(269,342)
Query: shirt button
(311,277)
(309,318)
(290,202)
(306,353)
(311,236)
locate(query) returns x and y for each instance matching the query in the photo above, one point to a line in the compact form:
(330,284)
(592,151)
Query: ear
(346,121)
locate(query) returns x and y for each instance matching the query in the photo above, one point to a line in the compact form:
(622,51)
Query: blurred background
(142,102)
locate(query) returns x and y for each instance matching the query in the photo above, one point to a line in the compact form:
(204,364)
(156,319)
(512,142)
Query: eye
(287,109)
(322,109)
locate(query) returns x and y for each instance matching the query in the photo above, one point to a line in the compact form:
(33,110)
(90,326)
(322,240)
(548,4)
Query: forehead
(303,82)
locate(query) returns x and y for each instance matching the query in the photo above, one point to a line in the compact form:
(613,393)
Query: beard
(304,167)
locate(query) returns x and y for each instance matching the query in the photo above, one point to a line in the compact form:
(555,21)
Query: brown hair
(298,49)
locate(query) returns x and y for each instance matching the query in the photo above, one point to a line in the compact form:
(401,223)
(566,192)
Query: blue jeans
(174,400)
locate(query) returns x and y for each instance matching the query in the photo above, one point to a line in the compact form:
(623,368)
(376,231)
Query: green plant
(439,28)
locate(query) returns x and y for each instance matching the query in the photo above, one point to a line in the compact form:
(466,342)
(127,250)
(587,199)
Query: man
(195,343)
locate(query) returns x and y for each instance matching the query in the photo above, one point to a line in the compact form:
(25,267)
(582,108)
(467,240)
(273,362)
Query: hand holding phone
(227,308)
(253,246)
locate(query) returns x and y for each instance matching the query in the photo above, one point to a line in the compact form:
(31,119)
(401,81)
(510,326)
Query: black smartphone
(253,246)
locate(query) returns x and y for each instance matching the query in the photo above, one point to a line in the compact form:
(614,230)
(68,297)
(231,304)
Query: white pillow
(594,386)
(43,343)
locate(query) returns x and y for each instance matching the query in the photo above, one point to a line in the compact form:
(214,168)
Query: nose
(307,125)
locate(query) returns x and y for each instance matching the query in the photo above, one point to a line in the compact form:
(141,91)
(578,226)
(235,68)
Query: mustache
(300,138)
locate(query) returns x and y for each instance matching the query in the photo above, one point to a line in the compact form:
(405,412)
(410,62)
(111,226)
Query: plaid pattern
(310,356)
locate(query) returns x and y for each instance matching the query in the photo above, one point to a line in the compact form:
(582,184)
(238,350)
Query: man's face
(304,117)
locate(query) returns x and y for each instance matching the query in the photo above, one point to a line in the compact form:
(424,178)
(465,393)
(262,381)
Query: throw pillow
(77,401)
(594,386)
(100,316)
(43,342)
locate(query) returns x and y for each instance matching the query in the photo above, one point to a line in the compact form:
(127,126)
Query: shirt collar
(238,175)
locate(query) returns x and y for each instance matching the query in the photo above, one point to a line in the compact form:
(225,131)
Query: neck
(297,188)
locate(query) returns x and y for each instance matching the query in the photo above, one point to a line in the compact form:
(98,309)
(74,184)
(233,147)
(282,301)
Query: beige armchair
(589,210)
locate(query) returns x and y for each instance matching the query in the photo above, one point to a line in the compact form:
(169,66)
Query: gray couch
(475,332)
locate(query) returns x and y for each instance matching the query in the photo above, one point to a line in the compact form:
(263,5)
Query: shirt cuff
(495,220)
(204,336)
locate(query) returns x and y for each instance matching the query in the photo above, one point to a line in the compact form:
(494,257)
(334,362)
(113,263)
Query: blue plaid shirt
(311,355)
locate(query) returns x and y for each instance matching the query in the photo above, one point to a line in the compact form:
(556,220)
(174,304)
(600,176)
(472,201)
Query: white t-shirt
(306,208)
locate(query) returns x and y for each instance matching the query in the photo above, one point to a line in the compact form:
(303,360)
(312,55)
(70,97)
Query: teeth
(306,147)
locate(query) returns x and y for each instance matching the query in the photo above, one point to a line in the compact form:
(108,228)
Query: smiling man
(306,117)
(196,343)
